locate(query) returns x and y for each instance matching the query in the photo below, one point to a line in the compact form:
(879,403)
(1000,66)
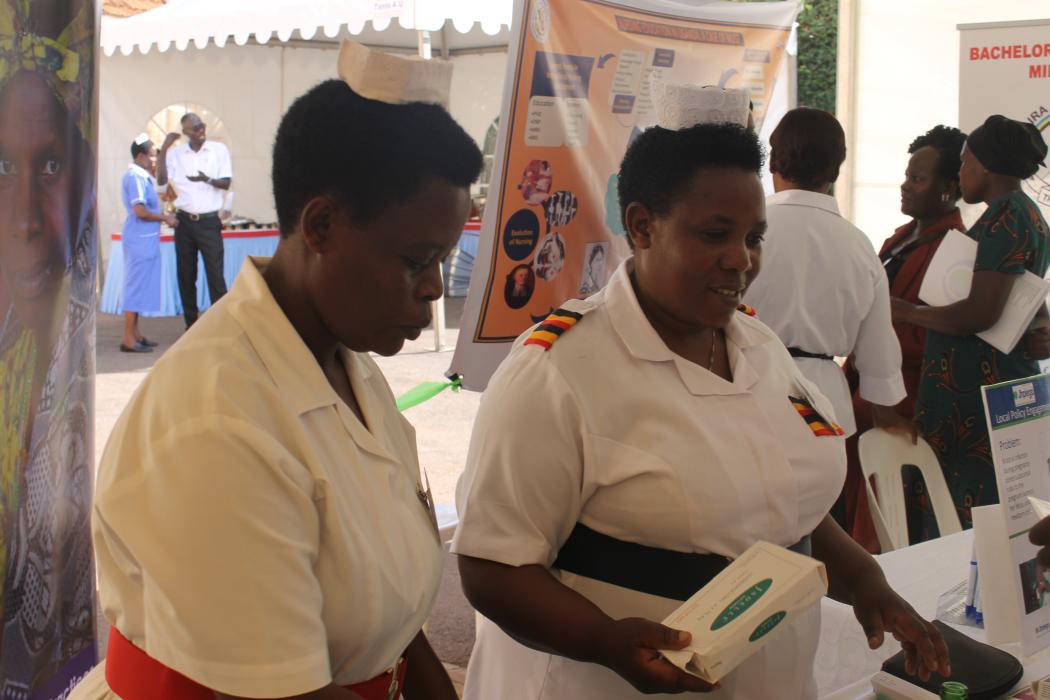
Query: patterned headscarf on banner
(56,59)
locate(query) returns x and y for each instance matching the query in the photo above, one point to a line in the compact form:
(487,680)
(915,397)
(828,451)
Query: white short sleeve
(171,158)
(140,192)
(134,190)
(225,168)
(877,354)
(522,490)
(223,527)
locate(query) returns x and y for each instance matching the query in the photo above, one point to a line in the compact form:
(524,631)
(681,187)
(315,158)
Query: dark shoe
(137,347)
(147,343)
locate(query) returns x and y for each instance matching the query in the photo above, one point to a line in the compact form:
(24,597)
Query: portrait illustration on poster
(517,291)
(592,277)
(47,301)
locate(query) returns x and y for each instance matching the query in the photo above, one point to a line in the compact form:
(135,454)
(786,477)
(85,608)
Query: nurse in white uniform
(634,440)
(823,289)
(260,522)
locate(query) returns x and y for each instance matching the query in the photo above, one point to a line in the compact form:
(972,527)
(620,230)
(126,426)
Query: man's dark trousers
(193,234)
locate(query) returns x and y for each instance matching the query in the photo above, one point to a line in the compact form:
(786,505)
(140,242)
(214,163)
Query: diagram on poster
(558,101)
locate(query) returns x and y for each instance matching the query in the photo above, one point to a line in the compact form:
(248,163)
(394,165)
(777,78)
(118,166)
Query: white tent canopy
(179,22)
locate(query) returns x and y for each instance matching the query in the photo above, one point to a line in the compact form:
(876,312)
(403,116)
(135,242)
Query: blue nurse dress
(141,244)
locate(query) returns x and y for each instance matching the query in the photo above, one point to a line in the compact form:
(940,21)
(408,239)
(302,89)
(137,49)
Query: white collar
(139,170)
(805,198)
(293,368)
(644,343)
(280,347)
(204,146)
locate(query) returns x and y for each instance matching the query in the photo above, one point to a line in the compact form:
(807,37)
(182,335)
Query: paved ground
(442,430)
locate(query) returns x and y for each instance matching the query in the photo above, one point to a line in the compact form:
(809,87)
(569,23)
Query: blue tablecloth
(460,263)
(238,245)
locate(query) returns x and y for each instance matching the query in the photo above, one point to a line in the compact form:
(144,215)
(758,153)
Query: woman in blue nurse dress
(140,238)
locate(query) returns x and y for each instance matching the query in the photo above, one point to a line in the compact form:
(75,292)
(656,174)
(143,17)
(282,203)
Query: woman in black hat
(1011,239)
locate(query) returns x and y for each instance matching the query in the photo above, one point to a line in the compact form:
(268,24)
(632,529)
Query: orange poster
(577,93)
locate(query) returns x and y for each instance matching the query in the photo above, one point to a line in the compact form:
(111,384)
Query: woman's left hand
(900,310)
(880,610)
(888,419)
(1036,343)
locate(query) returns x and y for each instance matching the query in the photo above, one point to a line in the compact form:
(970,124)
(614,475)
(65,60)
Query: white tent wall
(249,88)
(900,61)
(241,85)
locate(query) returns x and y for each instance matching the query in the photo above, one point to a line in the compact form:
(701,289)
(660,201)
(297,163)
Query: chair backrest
(882,456)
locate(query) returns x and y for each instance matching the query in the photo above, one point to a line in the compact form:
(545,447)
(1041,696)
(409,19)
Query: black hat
(1008,147)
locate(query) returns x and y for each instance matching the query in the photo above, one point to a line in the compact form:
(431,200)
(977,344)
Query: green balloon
(424,392)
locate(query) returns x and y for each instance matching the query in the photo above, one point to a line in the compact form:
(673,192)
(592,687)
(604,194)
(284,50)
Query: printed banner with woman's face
(47,354)
(577,93)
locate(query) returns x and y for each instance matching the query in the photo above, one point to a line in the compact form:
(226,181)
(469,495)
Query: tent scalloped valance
(179,23)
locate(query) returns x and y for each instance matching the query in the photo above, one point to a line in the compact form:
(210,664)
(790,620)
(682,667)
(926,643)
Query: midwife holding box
(635,441)
(1011,240)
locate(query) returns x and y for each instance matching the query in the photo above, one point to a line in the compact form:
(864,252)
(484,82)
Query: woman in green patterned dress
(1011,238)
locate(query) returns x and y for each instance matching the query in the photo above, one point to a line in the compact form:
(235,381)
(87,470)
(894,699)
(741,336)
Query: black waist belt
(799,352)
(659,572)
(197,217)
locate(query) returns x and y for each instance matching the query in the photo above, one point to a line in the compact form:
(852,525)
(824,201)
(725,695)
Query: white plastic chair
(882,456)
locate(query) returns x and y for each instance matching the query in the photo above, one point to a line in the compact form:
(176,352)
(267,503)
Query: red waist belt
(134,675)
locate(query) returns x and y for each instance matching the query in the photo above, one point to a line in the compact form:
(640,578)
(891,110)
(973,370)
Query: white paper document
(948,280)
(742,608)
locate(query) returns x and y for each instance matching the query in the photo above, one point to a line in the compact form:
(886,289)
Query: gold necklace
(711,360)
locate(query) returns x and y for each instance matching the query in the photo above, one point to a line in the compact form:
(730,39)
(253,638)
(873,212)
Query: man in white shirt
(822,288)
(201,173)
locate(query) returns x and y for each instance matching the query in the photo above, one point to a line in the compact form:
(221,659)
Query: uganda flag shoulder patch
(816,422)
(749,310)
(559,321)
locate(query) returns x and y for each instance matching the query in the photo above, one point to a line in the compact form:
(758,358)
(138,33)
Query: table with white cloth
(238,244)
(921,574)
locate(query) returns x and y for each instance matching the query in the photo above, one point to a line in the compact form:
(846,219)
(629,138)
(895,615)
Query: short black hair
(660,163)
(369,154)
(948,142)
(807,147)
(188,115)
(139,148)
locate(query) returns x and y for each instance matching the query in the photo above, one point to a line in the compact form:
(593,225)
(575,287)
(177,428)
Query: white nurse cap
(681,105)
(394,79)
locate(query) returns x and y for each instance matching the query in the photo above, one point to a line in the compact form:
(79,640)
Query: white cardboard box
(742,608)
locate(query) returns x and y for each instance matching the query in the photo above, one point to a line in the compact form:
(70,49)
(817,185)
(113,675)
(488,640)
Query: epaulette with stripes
(559,321)
(749,310)
(816,422)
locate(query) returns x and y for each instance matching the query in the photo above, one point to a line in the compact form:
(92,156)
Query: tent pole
(437,308)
